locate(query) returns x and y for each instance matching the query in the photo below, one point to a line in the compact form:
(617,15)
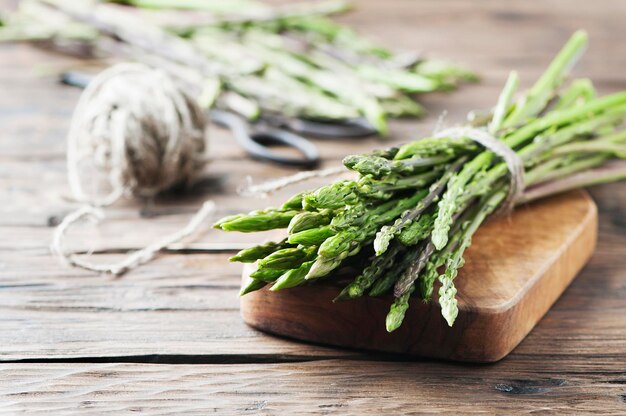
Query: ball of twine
(138,129)
(137,133)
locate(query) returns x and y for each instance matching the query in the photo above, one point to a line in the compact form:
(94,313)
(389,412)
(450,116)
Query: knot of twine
(137,133)
(513,162)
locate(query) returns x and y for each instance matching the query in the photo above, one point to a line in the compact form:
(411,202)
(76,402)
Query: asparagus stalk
(370,274)
(252,254)
(411,214)
(398,310)
(504,103)
(288,60)
(250,285)
(292,278)
(538,96)
(257,220)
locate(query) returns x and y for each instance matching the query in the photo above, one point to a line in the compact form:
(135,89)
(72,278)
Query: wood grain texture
(184,309)
(515,386)
(516,268)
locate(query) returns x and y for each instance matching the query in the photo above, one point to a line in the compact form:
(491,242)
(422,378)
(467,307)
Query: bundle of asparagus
(408,218)
(292,61)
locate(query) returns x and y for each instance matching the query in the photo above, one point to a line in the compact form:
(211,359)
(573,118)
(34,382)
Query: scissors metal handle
(257,139)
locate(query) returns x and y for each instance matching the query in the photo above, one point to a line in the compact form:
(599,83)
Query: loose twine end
(439,124)
(134,259)
(248,188)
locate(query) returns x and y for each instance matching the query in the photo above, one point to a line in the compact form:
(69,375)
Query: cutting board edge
(587,228)
(575,255)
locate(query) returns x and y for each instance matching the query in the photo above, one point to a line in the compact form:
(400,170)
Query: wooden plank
(317,388)
(183,305)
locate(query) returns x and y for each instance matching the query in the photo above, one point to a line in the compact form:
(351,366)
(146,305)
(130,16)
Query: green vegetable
(252,254)
(293,277)
(411,214)
(291,60)
(257,220)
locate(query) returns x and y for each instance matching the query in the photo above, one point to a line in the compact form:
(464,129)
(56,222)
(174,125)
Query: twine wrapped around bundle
(137,133)
(513,162)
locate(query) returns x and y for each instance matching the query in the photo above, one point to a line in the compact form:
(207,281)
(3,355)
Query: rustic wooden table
(168,336)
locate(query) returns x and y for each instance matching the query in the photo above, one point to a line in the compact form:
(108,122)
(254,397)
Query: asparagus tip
(393,321)
(349,292)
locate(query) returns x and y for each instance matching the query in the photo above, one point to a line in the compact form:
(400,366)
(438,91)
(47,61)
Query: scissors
(258,137)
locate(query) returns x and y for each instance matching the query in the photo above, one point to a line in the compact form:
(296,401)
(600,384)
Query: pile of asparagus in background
(408,218)
(248,57)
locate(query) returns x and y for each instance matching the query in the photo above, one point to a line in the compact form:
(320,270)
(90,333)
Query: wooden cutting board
(515,270)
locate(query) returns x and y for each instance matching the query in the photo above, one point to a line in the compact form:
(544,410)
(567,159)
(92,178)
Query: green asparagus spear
(308,220)
(409,217)
(346,240)
(290,59)
(257,221)
(312,237)
(398,310)
(267,274)
(538,96)
(447,292)
(252,254)
(292,278)
(369,275)
(250,285)
(287,258)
